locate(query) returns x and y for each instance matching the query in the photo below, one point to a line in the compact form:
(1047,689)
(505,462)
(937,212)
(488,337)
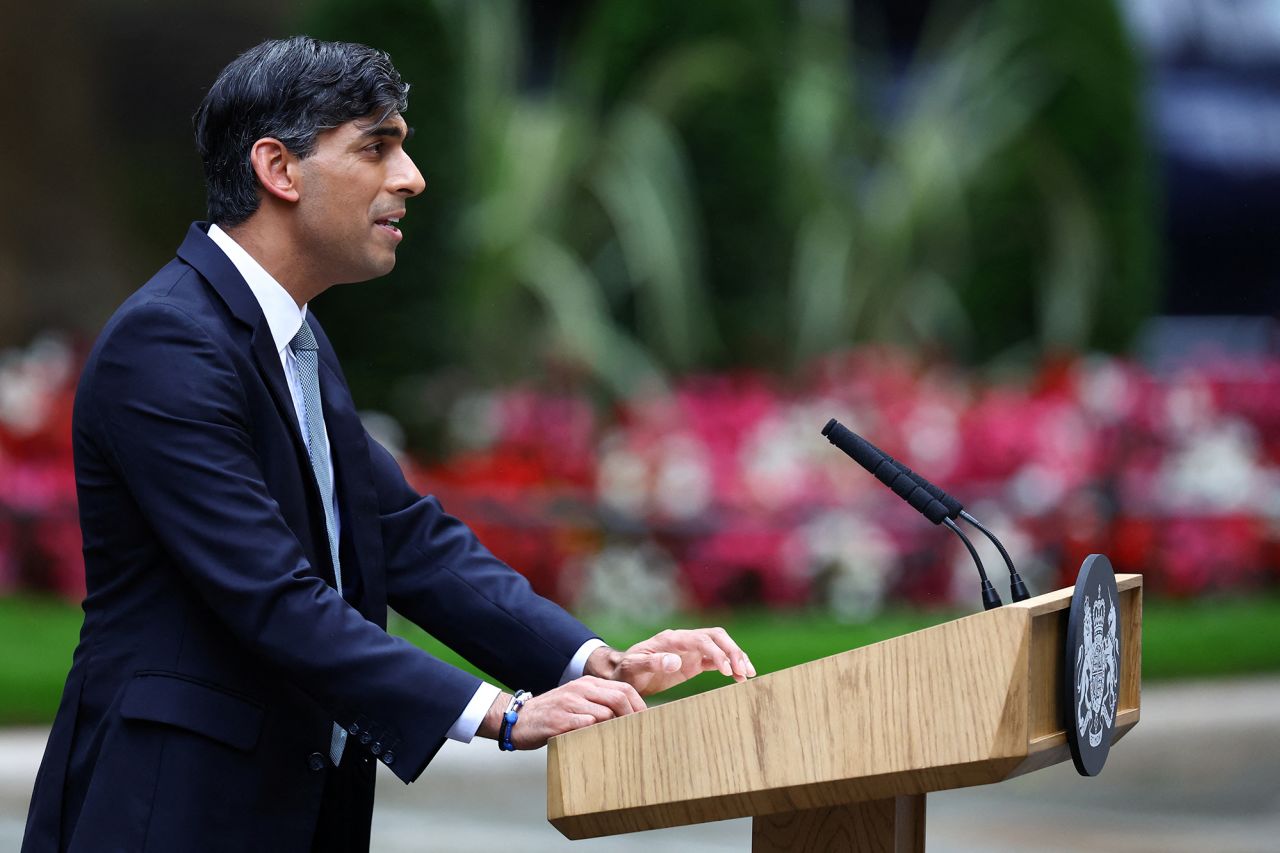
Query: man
(234,685)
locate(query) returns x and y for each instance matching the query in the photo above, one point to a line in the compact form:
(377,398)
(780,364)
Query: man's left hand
(671,657)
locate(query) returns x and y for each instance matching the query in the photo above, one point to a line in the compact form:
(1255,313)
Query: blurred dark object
(1214,103)
(1173,341)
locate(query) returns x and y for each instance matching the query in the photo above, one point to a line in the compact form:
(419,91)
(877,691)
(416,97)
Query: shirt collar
(284,317)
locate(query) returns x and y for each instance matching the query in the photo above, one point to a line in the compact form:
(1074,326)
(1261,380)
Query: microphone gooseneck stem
(1017,589)
(990,598)
(927,499)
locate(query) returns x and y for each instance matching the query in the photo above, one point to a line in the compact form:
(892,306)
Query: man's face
(352,192)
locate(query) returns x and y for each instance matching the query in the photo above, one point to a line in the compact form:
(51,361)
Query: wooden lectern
(838,753)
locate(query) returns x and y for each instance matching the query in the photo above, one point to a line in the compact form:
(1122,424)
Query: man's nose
(408,180)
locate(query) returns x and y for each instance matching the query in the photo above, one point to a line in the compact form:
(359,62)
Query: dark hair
(290,90)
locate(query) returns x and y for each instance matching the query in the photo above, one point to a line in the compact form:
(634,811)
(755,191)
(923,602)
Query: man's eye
(375,148)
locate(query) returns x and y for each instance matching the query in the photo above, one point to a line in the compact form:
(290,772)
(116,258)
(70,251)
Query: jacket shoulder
(176,291)
(170,321)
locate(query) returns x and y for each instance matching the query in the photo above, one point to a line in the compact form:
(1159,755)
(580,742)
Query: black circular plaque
(1091,671)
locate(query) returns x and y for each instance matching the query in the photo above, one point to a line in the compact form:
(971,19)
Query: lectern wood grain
(894,825)
(963,703)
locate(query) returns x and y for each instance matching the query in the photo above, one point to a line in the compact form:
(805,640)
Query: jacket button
(355,728)
(365,737)
(388,757)
(315,761)
(376,749)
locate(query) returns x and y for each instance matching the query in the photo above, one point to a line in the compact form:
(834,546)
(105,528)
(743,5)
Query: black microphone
(909,489)
(885,470)
(954,507)
(1017,588)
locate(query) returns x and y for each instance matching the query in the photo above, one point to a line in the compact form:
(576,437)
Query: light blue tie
(304,353)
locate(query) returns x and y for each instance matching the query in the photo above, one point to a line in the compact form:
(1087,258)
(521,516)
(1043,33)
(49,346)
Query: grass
(37,637)
(1192,639)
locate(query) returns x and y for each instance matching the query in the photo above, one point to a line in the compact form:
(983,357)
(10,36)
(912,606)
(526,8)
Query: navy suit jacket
(215,653)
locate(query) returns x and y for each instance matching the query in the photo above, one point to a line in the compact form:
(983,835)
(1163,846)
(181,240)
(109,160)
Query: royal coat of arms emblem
(1092,665)
(1097,668)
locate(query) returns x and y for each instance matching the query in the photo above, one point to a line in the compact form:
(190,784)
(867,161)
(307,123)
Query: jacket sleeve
(442,578)
(174,420)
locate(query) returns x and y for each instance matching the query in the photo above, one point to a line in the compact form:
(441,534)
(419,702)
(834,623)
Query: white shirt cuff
(579,661)
(468,723)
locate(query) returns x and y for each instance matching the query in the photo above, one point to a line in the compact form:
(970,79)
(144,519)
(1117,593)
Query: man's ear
(275,165)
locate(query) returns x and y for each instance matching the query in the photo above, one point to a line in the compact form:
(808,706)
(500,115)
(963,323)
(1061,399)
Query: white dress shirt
(284,318)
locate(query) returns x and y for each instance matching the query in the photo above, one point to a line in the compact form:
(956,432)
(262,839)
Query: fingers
(738,660)
(713,657)
(597,698)
(716,648)
(656,662)
(580,703)
(618,696)
(580,721)
(594,712)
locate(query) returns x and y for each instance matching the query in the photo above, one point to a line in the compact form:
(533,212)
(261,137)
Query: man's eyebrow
(390,130)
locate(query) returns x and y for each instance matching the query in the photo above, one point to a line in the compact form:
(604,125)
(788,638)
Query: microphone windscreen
(885,469)
(953,507)
(859,450)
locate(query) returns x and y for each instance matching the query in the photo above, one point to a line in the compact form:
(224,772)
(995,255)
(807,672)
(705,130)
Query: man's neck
(279,258)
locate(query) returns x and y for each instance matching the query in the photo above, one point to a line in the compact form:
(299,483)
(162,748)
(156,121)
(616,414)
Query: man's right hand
(579,703)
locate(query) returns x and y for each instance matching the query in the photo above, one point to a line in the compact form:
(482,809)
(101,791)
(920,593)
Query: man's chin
(376,268)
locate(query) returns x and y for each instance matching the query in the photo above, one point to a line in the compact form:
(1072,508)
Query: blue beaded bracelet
(509,720)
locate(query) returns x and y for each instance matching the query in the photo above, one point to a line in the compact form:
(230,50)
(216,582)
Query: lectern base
(893,825)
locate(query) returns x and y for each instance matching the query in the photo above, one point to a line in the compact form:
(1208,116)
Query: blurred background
(1027,249)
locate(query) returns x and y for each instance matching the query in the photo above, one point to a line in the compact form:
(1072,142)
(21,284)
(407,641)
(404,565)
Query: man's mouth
(389,224)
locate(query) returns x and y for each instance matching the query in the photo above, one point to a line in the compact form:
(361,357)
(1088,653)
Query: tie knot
(304,339)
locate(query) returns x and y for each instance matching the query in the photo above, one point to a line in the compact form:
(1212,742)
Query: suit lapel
(268,361)
(212,263)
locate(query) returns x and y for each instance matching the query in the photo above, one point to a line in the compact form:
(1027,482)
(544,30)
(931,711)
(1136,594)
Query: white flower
(855,557)
(1217,469)
(622,478)
(637,583)
(682,485)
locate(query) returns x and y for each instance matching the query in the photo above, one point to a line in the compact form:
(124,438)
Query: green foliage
(1083,178)
(724,183)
